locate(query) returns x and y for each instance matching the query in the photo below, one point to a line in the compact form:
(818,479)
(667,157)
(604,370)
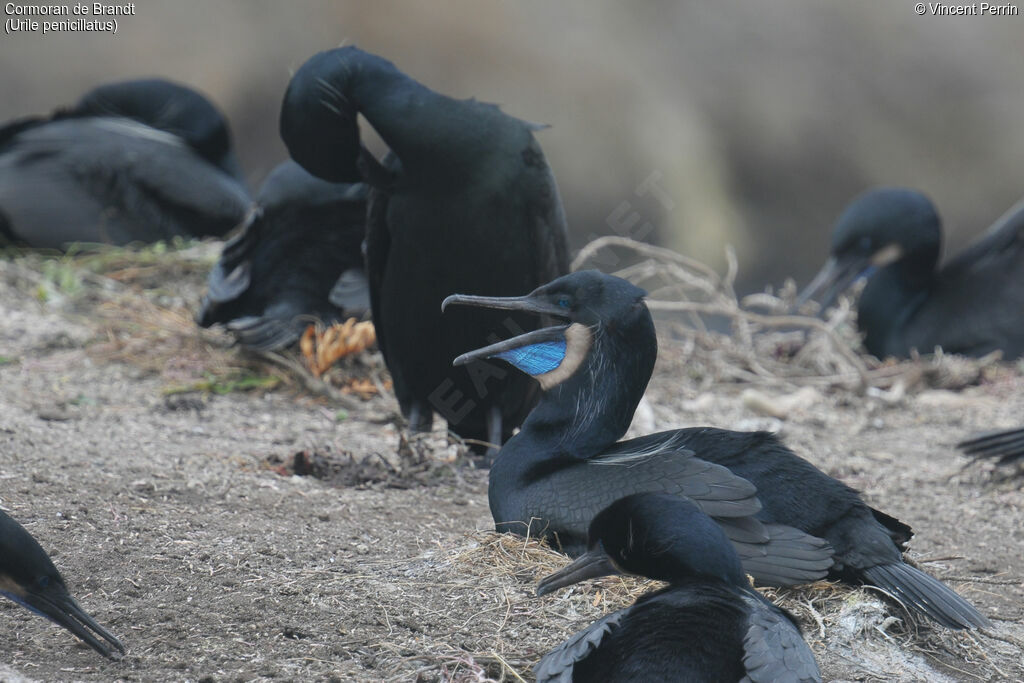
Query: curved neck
(425,129)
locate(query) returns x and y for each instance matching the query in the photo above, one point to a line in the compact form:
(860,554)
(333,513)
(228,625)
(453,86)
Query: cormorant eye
(564,302)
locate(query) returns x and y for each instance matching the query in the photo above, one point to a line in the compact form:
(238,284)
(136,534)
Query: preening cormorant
(464,202)
(134,161)
(28,577)
(972,305)
(298,260)
(709,624)
(567,463)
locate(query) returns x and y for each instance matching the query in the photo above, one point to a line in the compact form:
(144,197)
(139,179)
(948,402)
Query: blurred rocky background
(760,120)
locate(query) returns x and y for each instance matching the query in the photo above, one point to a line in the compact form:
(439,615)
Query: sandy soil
(178,524)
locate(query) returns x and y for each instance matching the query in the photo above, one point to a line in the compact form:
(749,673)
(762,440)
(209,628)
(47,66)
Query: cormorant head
(318,116)
(592,308)
(879,228)
(170,107)
(28,577)
(656,535)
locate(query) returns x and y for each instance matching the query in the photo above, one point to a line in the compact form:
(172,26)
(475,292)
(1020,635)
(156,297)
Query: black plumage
(464,202)
(28,577)
(708,624)
(299,260)
(134,161)
(973,305)
(1004,446)
(566,463)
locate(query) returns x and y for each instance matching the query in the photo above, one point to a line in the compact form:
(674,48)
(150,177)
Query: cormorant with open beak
(567,463)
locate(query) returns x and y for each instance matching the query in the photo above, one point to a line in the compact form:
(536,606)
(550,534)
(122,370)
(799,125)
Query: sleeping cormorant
(28,577)
(567,463)
(972,305)
(298,260)
(708,624)
(134,161)
(464,202)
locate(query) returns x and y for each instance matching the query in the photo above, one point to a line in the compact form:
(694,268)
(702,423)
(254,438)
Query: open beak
(592,564)
(56,604)
(528,304)
(834,278)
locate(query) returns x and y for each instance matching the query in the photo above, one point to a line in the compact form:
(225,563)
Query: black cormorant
(709,624)
(566,463)
(141,160)
(464,202)
(298,260)
(28,577)
(972,305)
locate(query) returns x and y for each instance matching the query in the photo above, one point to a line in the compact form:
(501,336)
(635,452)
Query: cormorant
(1005,446)
(708,624)
(28,577)
(464,202)
(299,259)
(971,306)
(566,462)
(142,160)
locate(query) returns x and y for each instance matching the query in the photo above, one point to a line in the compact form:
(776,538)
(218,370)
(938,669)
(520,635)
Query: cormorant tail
(925,594)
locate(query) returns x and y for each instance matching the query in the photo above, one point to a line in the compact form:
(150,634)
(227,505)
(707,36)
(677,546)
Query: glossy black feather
(299,260)
(467,203)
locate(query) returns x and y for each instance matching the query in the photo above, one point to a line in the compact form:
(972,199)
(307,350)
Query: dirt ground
(156,467)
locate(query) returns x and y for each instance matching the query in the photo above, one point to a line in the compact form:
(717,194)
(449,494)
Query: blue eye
(564,302)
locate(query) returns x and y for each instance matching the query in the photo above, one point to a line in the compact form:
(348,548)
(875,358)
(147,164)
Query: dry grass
(768,343)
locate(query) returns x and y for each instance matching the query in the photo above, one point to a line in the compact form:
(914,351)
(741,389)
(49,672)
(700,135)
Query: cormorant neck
(890,298)
(587,412)
(429,132)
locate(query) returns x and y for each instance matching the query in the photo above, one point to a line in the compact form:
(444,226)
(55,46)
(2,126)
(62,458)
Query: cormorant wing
(571,497)
(557,665)
(999,237)
(351,292)
(230,276)
(982,289)
(773,648)
(112,180)
(378,236)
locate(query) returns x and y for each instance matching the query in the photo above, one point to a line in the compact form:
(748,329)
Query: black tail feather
(1005,446)
(922,593)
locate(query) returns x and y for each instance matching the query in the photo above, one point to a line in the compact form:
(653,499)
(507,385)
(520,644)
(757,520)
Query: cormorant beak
(529,304)
(839,272)
(594,563)
(57,605)
(834,278)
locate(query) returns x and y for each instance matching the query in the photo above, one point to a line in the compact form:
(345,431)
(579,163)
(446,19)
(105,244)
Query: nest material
(768,343)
